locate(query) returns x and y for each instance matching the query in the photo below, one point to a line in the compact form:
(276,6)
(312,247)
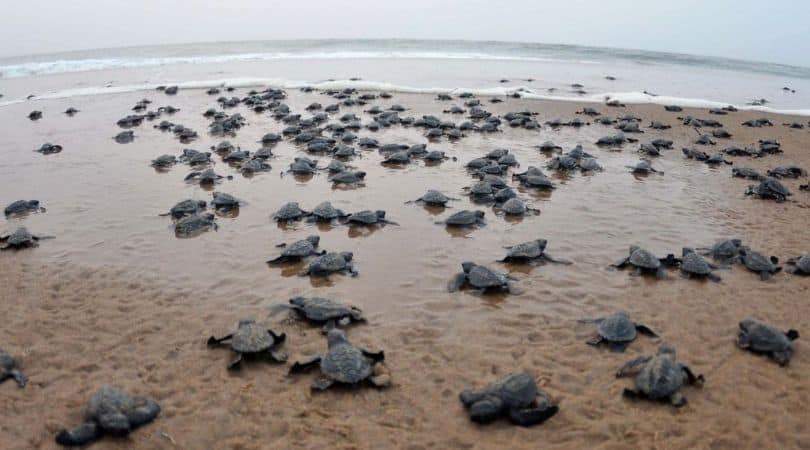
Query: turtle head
(737,242)
(467,266)
(792,335)
(666,350)
(314,240)
(747,324)
(634,248)
(542,244)
(246,322)
(347,256)
(336,336)
(380,214)
(360,174)
(687,250)
(297,301)
(479,214)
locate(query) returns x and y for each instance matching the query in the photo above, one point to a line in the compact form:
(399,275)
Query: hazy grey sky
(772,30)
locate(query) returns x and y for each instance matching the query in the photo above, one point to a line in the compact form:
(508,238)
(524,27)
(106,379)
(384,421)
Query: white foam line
(525,92)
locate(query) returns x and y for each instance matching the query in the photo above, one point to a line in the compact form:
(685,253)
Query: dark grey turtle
(254,165)
(195,158)
(332,262)
(746,172)
(369,217)
(237,156)
(643,167)
(578,153)
(769,188)
(659,377)
(760,337)
(110,411)
(617,331)
(563,163)
(193,225)
(186,208)
(206,177)
(801,265)
(655,125)
(336,166)
(290,212)
(349,177)
(49,149)
(589,165)
(549,146)
(693,265)
(434,198)
(481,278)
(717,158)
(398,158)
(481,192)
(23,207)
(515,396)
(791,171)
(465,218)
(163,161)
(251,339)
(613,141)
(725,251)
(516,207)
(345,364)
(9,369)
(325,311)
(71,111)
(298,250)
(533,177)
(303,166)
(270,138)
(589,112)
(19,239)
(35,115)
(224,202)
(759,263)
(721,133)
(325,212)
(645,262)
(530,252)
(125,137)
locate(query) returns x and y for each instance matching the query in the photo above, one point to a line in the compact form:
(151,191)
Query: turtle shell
(345,363)
(728,248)
(482,277)
(693,263)
(660,377)
(643,259)
(758,262)
(367,217)
(325,211)
(290,211)
(465,217)
(330,262)
(527,250)
(762,337)
(349,177)
(401,157)
(223,200)
(514,206)
(617,328)
(302,248)
(434,197)
(19,238)
(320,309)
(540,181)
(481,188)
(502,195)
(803,264)
(251,337)
(301,167)
(517,390)
(187,208)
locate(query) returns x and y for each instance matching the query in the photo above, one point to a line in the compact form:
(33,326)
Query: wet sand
(117,299)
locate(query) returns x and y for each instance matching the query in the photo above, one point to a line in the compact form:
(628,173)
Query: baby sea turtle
(194,225)
(746,172)
(760,337)
(693,265)
(110,411)
(434,198)
(252,339)
(659,377)
(759,263)
(515,207)
(617,331)
(791,171)
(19,239)
(49,149)
(35,115)
(290,212)
(325,311)
(163,161)
(644,167)
(23,207)
(465,218)
(530,252)
(534,177)
(298,250)
(548,146)
(369,217)
(206,177)
(186,208)
(325,212)
(224,202)
(345,364)
(645,262)
(515,396)
(71,111)
(9,369)
(480,277)
(332,262)
(349,177)
(125,137)
(725,250)
(303,166)
(801,265)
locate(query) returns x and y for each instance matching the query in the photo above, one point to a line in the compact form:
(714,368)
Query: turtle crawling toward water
(530,253)
(659,377)
(693,265)
(19,239)
(617,331)
(110,411)
(368,217)
(23,207)
(325,212)
(645,262)
(343,363)
(186,208)
(433,198)
(465,218)
(481,278)
(515,396)
(251,340)
(194,225)
(725,250)
(49,149)
(332,262)
(760,337)
(290,212)
(223,202)
(801,265)
(769,188)
(759,263)
(298,250)
(9,369)
(325,311)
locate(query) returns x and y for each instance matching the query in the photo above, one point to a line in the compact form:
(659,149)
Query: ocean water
(536,70)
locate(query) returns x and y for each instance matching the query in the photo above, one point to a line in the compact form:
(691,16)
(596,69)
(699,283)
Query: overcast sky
(771,30)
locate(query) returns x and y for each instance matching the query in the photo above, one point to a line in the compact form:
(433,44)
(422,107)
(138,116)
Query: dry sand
(117,299)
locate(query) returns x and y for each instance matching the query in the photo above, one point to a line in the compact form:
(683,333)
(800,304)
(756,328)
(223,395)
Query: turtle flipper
(714,277)
(322,384)
(765,276)
(374,356)
(633,367)
(633,393)
(212,341)
(236,363)
(458,280)
(330,325)
(18,376)
(278,260)
(81,435)
(277,355)
(144,413)
(782,358)
(661,273)
(554,260)
(621,263)
(678,400)
(691,378)
(644,329)
(532,416)
(595,340)
(302,366)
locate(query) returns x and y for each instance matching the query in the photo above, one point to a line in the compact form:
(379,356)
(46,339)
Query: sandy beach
(117,299)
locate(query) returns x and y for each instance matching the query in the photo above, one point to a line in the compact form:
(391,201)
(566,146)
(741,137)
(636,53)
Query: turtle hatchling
(769,188)
(465,218)
(368,217)
(617,331)
(531,252)
(694,266)
(325,311)
(251,340)
(515,396)
(434,198)
(194,225)
(645,262)
(659,377)
(325,212)
(110,411)
(332,262)
(23,207)
(801,265)
(224,202)
(19,239)
(481,278)
(759,263)
(760,337)
(290,212)
(298,250)
(343,363)
(9,369)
